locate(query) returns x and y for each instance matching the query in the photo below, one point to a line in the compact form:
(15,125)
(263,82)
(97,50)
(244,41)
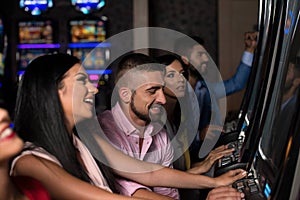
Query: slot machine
(88,6)
(2,57)
(87,42)
(272,160)
(243,139)
(36,38)
(36,7)
(259,72)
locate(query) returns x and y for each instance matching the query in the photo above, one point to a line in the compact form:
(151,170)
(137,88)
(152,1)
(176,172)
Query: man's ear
(125,94)
(185,60)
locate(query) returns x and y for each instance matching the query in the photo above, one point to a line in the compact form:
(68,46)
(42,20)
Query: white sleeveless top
(92,168)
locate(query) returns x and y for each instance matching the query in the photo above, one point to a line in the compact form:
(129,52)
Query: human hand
(225,193)
(250,41)
(213,156)
(230,177)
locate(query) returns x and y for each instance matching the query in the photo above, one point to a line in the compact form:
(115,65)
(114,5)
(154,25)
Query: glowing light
(87,6)
(94,77)
(35,7)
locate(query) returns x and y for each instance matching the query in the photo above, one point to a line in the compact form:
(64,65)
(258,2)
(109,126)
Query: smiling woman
(15,187)
(77,88)
(51,88)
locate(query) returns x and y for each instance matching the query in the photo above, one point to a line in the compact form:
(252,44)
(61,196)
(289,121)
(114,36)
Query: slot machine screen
(87,43)
(36,38)
(26,55)
(36,32)
(277,132)
(87,31)
(275,141)
(272,142)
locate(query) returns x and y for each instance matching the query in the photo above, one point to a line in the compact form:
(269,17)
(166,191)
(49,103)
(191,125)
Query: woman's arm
(156,175)
(59,183)
(213,156)
(143,193)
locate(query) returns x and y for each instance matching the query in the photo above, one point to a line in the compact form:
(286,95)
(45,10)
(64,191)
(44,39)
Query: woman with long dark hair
(179,104)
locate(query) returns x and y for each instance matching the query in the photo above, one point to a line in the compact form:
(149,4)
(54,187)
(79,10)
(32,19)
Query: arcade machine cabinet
(36,38)
(87,42)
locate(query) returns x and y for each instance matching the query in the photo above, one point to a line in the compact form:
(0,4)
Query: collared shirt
(156,147)
(216,90)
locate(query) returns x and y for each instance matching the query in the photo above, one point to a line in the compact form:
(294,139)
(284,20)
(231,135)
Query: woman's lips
(7,134)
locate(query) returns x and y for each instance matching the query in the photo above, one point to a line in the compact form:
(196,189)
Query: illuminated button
(251,182)
(253,189)
(226,162)
(240,185)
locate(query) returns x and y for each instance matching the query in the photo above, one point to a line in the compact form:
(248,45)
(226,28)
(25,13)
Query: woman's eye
(170,75)
(82,79)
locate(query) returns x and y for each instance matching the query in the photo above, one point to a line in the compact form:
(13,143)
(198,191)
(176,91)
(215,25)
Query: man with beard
(135,123)
(132,125)
(194,54)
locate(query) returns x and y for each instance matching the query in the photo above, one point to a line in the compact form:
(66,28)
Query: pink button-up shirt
(156,147)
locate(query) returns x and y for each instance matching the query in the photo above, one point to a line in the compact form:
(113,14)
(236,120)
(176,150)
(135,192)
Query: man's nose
(161,97)
(205,57)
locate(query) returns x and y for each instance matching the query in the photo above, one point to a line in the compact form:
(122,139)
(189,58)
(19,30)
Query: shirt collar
(125,125)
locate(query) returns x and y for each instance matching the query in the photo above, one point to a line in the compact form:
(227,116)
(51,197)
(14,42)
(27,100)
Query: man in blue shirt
(194,54)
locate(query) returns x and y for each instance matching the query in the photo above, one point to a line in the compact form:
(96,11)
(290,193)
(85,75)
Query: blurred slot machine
(35,7)
(88,6)
(2,48)
(36,38)
(87,42)
(3,44)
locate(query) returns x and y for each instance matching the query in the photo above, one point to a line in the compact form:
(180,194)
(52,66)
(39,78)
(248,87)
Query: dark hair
(39,116)
(198,39)
(184,45)
(130,61)
(167,59)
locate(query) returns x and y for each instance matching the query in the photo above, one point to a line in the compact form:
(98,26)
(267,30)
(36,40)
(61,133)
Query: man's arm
(240,78)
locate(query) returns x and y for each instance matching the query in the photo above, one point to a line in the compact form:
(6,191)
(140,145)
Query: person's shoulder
(110,127)
(105,114)
(29,164)
(105,117)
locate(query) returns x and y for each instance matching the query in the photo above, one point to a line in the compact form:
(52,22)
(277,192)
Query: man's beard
(145,117)
(204,71)
(288,85)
